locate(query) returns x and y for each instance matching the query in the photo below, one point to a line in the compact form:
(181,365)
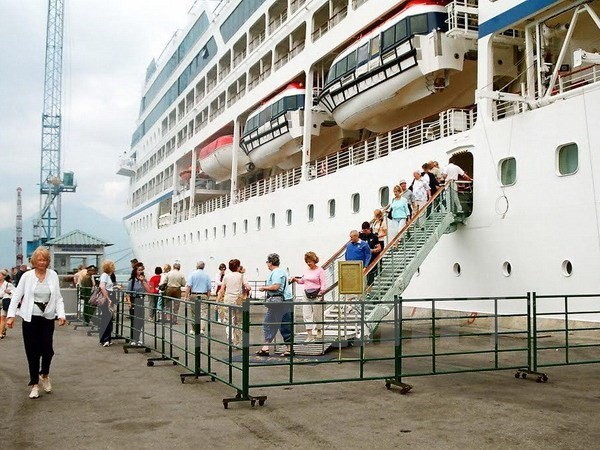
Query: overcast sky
(107,47)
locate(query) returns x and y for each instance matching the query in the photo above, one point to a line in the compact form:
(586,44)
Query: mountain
(83,218)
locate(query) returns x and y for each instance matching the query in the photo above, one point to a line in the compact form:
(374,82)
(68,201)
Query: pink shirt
(313,279)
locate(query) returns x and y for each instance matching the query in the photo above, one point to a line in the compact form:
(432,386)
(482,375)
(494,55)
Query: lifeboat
(269,136)
(408,58)
(216,158)
(185,175)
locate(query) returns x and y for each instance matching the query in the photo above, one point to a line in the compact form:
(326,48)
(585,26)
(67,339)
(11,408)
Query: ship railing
(213,204)
(501,109)
(259,188)
(253,83)
(450,122)
(463,18)
(568,81)
(234,98)
(358,3)
(238,59)
(165,220)
(289,55)
(254,43)
(295,5)
(331,22)
(277,21)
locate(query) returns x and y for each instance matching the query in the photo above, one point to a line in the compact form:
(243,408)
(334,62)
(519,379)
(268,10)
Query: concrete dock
(104,398)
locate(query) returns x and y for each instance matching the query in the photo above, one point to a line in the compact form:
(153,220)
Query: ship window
(272,220)
(311,212)
(178,240)
(288,217)
(568,159)
(258,223)
(567,268)
(198,236)
(508,171)
(384,196)
(387,38)
(206,234)
(191,238)
(355,203)
(456,269)
(506,269)
(374,46)
(341,67)
(224,230)
(184,239)
(245,225)
(418,24)
(331,207)
(234,228)
(351,61)
(214,232)
(363,53)
(401,32)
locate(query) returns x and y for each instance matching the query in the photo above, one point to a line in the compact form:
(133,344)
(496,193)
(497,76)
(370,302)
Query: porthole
(567,159)
(272,218)
(224,230)
(506,269)
(191,237)
(258,223)
(184,239)
(288,217)
(198,236)
(508,171)
(456,269)
(331,207)
(206,234)
(384,196)
(234,228)
(214,233)
(310,211)
(418,272)
(355,203)
(567,268)
(245,225)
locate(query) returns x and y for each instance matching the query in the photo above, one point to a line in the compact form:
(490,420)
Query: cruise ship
(280,125)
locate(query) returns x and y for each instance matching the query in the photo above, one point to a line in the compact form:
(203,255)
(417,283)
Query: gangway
(394,266)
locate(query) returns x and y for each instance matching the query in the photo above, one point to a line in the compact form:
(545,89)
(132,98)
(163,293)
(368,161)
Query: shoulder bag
(97,298)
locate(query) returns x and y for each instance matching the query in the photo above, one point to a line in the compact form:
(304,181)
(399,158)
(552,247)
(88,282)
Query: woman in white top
(107,288)
(41,301)
(234,291)
(6,289)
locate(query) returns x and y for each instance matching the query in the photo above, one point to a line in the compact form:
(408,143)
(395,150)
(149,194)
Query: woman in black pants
(41,302)
(137,287)
(106,318)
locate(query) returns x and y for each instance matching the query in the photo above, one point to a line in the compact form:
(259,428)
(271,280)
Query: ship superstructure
(322,106)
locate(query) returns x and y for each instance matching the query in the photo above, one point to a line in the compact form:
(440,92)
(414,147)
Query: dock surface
(104,398)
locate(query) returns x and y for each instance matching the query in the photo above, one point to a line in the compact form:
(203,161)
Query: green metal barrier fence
(419,337)
(565,331)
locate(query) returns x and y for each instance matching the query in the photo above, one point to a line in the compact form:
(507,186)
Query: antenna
(19,240)
(52,181)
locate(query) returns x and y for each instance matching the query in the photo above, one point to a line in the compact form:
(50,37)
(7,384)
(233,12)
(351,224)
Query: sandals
(286,353)
(262,352)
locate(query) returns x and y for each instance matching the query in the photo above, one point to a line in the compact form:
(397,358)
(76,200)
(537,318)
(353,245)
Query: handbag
(275,298)
(389,214)
(97,298)
(311,294)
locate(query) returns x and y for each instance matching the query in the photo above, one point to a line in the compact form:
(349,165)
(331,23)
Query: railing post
(534,333)
(246,348)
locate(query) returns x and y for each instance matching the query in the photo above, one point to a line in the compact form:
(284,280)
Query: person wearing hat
(279,314)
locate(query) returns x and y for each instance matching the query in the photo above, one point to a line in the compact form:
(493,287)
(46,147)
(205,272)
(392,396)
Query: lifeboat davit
(269,133)
(216,158)
(402,61)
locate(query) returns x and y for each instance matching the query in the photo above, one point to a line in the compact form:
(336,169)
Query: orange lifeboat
(216,158)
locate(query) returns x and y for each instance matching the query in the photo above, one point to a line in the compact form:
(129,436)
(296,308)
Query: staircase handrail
(390,244)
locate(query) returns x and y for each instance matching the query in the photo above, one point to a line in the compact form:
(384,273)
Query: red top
(154,282)
(214,145)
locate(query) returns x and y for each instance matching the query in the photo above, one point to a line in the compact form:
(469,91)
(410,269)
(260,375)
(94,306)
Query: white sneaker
(35,392)
(191,333)
(106,344)
(46,385)
(140,344)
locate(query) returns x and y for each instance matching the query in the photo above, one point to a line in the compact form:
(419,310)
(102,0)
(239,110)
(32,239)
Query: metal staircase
(395,266)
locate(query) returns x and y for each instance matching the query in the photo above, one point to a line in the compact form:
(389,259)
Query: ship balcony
(322,28)
(126,167)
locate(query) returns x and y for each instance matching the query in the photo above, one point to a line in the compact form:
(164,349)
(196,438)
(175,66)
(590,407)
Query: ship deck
(104,398)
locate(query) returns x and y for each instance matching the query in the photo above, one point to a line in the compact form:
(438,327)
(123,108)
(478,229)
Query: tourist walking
(372,240)
(41,302)
(198,290)
(380,227)
(175,281)
(6,290)
(234,293)
(313,280)
(357,250)
(107,307)
(421,192)
(154,283)
(86,283)
(279,311)
(399,212)
(137,288)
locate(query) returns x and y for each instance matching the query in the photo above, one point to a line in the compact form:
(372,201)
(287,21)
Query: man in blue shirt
(357,250)
(198,288)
